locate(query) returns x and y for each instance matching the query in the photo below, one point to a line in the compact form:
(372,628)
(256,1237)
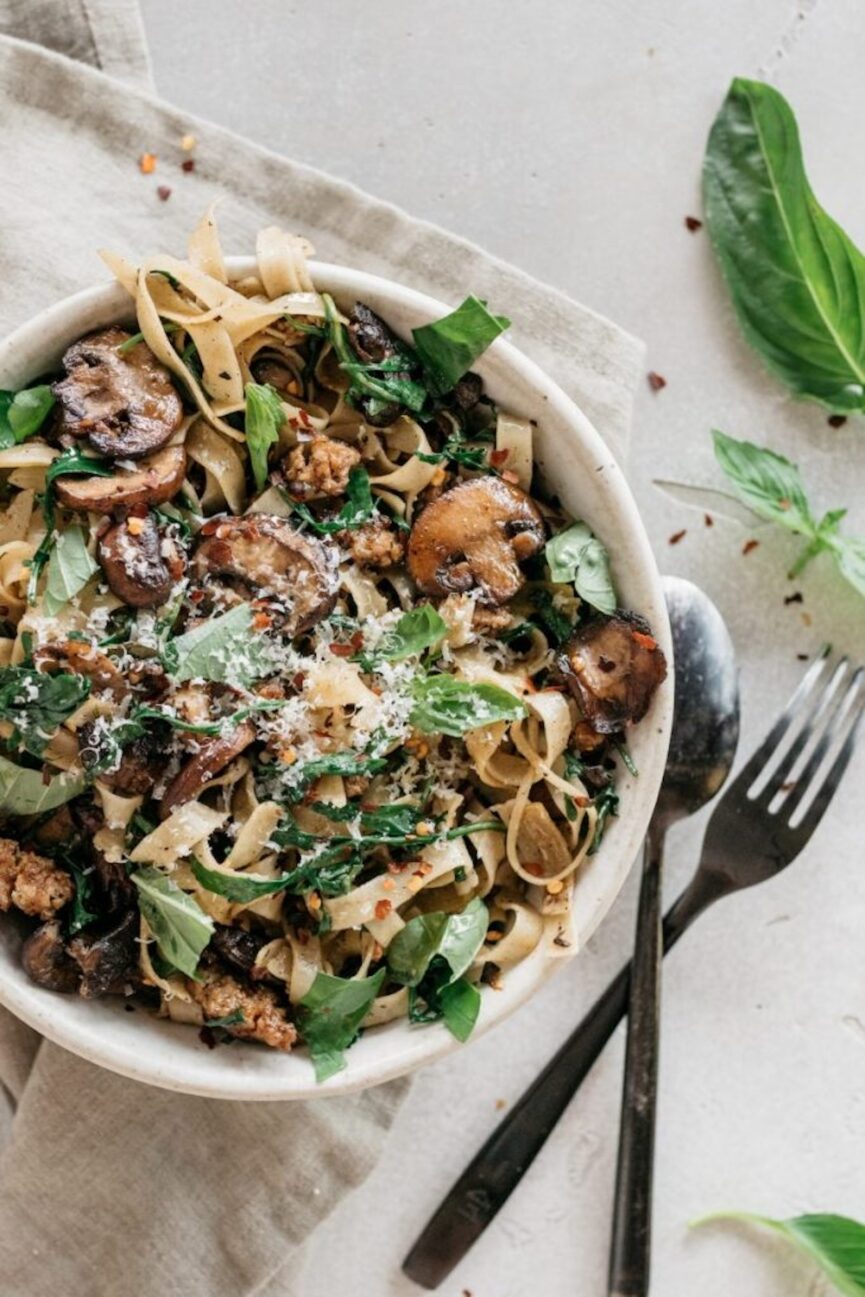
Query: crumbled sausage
(375,544)
(319,467)
(32,883)
(263,1017)
(489,620)
(356,785)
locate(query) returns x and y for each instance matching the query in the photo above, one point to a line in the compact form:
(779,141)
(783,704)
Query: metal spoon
(702,747)
(705,736)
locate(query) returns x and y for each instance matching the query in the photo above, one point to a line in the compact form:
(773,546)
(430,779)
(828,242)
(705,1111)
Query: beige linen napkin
(108,1187)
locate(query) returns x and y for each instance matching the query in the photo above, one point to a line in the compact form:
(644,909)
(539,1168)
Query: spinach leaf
(388,382)
(23,413)
(37,702)
(606,803)
(25,792)
(413,634)
(73,462)
(443,705)
(339,763)
(577,555)
(456,938)
(552,620)
(180,926)
(264,418)
(222,649)
(79,915)
(836,1243)
(330,1015)
(796,279)
(358,509)
(460,1004)
(70,568)
(70,462)
(243,888)
(449,347)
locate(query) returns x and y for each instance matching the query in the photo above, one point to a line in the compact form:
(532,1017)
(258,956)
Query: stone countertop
(567,139)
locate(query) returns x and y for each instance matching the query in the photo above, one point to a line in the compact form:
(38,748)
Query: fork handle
(500,1164)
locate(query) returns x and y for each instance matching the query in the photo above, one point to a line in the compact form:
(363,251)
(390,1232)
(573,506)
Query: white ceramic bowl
(577,465)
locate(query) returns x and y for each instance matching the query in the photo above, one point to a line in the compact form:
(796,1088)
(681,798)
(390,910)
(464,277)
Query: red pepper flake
(196,596)
(304,417)
(708,520)
(536,871)
(383,908)
(837,420)
(341,650)
(509,476)
(261,621)
(498,457)
(693,224)
(793,598)
(298,679)
(807,618)
(164,193)
(147,164)
(749,545)
(187,165)
(356,641)
(645,641)
(677,536)
(656,381)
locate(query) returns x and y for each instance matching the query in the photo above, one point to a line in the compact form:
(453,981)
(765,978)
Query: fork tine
(851,705)
(822,706)
(801,694)
(816,810)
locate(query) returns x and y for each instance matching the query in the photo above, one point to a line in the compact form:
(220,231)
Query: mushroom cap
(207,762)
(141,565)
(124,403)
(474,537)
(270,558)
(46,960)
(613,666)
(108,962)
(155,480)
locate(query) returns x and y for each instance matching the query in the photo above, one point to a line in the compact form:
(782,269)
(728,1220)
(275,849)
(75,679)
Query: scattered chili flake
(188,143)
(500,1103)
(388,884)
(341,650)
(693,224)
(749,545)
(493,937)
(807,618)
(314,901)
(656,381)
(164,193)
(536,871)
(708,520)
(297,680)
(498,457)
(645,641)
(397,866)
(188,164)
(261,621)
(793,598)
(677,536)
(510,476)
(288,756)
(196,596)
(383,908)
(135,526)
(356,641)
(147,163)
(837,420)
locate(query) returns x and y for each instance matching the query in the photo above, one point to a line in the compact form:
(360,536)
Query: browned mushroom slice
(108,961)
(373,342)
(82,659)
(474,537)
(267,557)
(141,565)
(46,960)
(154,480)
(207,762)
(613,666)
(124,403)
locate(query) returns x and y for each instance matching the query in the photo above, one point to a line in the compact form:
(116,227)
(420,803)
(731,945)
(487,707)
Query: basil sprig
(358,509)
(450,346)
(25,792)
(23,413)
(179,925)
(430,955)
(70,463)
(796,280)
(836,1243)
(444,705)
(70,567)
(329,1017)
(415,632)
(576,555)
(222,648)
(264,418)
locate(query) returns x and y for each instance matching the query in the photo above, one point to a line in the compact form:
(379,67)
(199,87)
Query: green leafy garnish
(460,1004)
(223,648)
(797,281)
(771,486)
(179,925)
(264,418)
(381,383)
(576,555)
(243,888)
(73,462)
(79,915)
(443,705)
(456,938)
(234,1019)
(358,509)
(449,347)
(330,1015)
(69,569)
(552,620)
(69,463)
(25,792)
(836,1243)
(38,702)
(23,413)
(413,634)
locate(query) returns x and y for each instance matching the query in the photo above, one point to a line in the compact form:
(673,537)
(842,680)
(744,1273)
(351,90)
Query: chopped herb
(25,792)
(38,702)
(79,915)
(224,648)
(70,567)
(330,1015)
(387,381)
(358,509)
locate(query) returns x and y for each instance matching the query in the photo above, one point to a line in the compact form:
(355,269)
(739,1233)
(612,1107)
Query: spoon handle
(630,1248)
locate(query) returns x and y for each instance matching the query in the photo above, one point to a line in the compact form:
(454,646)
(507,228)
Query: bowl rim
(392,1049)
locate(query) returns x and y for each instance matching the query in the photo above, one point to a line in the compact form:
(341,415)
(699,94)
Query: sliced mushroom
(141,565)
(207,762)
(373,342)
(267,558)
(154,480)
(141,762)
(474,537)
(108,962)
(123,402)
(82,659)
(46,961)
(237,948)
(117,892)
(613,666)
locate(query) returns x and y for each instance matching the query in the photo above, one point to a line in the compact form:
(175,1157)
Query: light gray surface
(568,139)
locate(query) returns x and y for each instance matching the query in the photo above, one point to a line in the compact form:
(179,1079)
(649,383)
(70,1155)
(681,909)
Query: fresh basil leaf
(414,633)
(836,1243)
(358,509)
(23,413)
(457,938)
(576,555)
(460,1004)
(179,925)
(329,1017)
(443,705)
(25,792)
(242,888)
(796,279)
(223,648)
(768,483)
(69,569)
(38,702)
(264,418)
(849,552)
(449,347)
